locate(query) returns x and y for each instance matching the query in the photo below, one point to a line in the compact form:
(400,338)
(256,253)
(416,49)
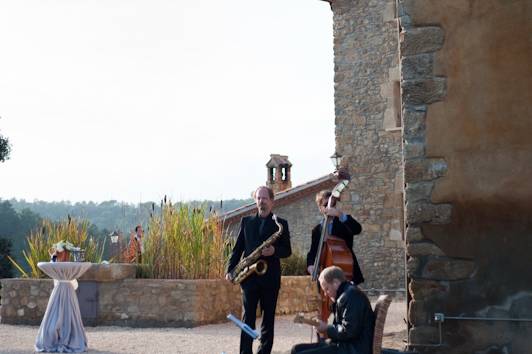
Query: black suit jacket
(344,230)
(354,321)
(254,230)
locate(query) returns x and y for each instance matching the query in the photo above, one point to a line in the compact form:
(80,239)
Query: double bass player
(343,226)
(332,241)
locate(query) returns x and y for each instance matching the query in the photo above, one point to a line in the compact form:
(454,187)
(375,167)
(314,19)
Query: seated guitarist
(343,226)
(352,329)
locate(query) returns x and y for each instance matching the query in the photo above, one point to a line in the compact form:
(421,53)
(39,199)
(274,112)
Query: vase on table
(63,256)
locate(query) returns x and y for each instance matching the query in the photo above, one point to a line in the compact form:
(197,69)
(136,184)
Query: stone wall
(368,133)
(152,302)
(302,215)
(467,156)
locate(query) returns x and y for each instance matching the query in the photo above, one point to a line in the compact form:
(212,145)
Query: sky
(136,99)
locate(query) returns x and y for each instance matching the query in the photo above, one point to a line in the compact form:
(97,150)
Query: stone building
(432,106)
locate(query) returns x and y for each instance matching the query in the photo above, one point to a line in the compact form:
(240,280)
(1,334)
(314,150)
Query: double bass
(332,250)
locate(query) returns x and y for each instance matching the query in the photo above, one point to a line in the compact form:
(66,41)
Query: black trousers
(268,302)
(314,348)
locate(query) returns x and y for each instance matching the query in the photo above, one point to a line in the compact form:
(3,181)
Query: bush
(296,264)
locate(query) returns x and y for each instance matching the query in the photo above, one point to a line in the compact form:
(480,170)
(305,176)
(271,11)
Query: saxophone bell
(260,267)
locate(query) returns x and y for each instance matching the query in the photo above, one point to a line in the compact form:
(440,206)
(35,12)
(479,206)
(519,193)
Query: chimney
(279,177)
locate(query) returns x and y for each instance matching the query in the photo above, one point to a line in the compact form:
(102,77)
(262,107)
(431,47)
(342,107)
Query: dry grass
(181,243)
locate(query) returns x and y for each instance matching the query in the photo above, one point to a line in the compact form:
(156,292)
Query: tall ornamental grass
(40,241)
(183,243)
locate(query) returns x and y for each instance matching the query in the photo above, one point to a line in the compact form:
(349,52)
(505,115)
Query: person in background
(135,249)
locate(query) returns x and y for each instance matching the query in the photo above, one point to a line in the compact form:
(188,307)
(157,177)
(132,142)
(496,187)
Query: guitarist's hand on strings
(322,327)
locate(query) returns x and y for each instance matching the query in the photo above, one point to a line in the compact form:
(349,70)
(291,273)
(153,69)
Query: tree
(5,148)
(16,226)
(5,263)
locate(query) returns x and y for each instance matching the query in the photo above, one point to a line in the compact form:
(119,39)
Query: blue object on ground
(244,327)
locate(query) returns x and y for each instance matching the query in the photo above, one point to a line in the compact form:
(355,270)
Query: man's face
(330,289)
(139,231)
(263,201)
(322,205)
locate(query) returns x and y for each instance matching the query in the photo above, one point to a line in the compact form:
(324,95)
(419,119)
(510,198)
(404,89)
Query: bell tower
(279,176)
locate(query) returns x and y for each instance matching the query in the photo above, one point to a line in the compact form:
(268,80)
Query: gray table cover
(61,328)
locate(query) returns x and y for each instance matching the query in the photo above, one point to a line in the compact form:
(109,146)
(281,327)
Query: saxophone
(252,264)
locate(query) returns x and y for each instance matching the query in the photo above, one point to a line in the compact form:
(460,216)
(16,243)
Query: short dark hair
(137,227)
(331,273)
(270,192)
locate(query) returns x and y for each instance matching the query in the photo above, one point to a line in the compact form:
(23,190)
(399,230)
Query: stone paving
(208,339)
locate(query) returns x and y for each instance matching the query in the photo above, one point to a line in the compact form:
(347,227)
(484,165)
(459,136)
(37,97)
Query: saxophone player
(254,231)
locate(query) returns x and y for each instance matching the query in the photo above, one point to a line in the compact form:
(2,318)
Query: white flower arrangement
(65,245)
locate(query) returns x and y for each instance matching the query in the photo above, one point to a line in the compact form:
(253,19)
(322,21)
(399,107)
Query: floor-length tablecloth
(61,328)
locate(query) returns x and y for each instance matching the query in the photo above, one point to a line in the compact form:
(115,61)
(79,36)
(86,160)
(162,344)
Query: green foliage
(40,243)
(181,243)
(15,226)
(5,148)
(5,264)
(296,264)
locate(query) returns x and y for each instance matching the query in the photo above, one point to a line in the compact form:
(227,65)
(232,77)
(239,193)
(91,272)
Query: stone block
(414,149)
(426,248)
(422,212)
(413,234)
(445,268)
(7,312)
(418,314)
(34,290)
(412,266)
(393,244)
(424,335)
(417,40)
(372,228)
(418,191)
(424,169)
(414,123)
(426,91)
(395,234)
(426,289)
(415,67)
